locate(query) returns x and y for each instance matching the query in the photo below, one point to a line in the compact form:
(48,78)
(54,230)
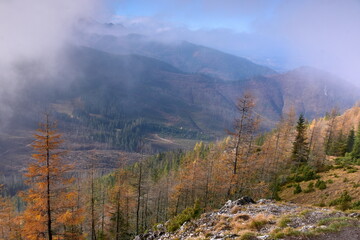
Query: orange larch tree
(51,211)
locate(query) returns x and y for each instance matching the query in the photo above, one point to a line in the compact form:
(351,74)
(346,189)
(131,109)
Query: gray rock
(264,237)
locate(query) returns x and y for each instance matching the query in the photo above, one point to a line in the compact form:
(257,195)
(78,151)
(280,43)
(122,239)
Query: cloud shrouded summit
(322,33)
(278,33)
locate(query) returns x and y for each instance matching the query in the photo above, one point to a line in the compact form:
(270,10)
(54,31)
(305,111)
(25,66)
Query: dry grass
(243,222)
(247,235)
(241,217)
(259,221)
(235,209)
(283,221)
(223,223)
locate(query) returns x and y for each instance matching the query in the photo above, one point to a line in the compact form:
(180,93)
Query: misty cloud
(324,34)
(35,32)
(282,34)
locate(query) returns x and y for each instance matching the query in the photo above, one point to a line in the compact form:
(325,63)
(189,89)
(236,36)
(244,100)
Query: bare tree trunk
(117,233)
(92,202)
(138,198)
(49,221)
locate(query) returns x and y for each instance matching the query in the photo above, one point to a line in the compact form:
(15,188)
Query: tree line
(61,203)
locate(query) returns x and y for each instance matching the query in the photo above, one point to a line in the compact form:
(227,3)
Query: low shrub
(320,184)
(297,189)
(310,188)
(303,173)
(186,215)
(248,236)
(352,170)
(343,202)
(330,181)
(333,224)
(356,205)
(284,221)
(347,161)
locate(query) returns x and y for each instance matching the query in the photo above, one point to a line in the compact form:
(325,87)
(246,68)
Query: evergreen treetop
(356,149)
(300,150)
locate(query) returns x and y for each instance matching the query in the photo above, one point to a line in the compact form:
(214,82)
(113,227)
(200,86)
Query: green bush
(297,189)
(356,205)
(320,184)
(330,181)
(333,224)
(352,170)
(275,187)
(303,173)
(310,188)
(346,162)
(322,203)
(343,202)
(186,215)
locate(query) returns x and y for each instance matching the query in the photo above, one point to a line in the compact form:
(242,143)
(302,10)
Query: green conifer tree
(350,141)
(339,146)
(300,150)
(356,149)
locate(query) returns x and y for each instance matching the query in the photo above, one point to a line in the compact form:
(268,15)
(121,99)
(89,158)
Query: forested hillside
(173,187)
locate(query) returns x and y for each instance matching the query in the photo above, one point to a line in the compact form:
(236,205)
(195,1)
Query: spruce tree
(356,149)
(300,150)
(350,141)
(339,146)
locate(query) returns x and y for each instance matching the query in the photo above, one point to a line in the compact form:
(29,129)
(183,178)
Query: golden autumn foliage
(9,221)
(51,211)
(136,197)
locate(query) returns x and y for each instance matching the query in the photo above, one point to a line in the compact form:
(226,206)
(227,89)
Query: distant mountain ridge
(186,56)
(143,87)
(115,100)
(136,86)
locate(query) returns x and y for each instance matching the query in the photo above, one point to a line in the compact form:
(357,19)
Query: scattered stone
(161,228)
(264,237)
(301,218)
(354,215)
(306,228)
(240,202)
(264,201)
(244,201)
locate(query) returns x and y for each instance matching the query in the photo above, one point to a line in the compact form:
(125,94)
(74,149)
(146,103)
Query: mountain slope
(311,91)
(186,56)
(112,101)
(308,90)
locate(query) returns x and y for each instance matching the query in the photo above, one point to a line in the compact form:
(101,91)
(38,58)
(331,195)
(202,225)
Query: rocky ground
(244,219)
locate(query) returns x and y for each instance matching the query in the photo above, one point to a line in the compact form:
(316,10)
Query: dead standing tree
(245,126)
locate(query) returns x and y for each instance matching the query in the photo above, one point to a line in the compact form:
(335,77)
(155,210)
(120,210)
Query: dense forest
(169,188)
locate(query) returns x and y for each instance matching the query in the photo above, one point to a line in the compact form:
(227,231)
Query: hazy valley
(115,100)
(179,120)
